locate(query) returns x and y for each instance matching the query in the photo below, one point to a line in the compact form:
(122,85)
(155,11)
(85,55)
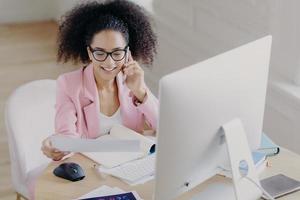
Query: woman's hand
(51,152)
(135,78)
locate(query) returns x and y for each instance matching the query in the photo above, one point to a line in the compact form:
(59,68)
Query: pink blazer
(78,107)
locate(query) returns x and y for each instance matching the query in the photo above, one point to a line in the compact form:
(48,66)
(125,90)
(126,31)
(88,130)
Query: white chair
(29,119)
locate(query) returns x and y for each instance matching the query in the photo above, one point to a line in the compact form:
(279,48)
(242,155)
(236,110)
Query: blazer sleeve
(150,109)
(65,111)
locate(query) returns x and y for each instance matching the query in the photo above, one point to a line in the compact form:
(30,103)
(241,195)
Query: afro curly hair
(79,25)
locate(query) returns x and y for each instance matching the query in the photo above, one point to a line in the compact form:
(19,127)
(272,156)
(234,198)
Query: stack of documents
(107,193)
(135,172)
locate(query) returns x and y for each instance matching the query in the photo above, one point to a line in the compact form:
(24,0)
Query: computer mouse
(70,171)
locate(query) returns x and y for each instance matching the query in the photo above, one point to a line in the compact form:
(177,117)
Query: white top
(106,122)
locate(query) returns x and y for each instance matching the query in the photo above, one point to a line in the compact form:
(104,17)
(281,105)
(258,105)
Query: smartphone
(126,61)
(127,55)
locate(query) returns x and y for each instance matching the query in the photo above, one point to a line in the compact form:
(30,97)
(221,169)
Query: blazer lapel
(91,111)
(123,94)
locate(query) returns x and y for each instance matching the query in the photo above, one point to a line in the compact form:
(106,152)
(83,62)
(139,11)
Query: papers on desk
(113,159)
(107,193)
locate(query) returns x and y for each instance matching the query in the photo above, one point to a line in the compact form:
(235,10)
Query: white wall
(191,31)
(65,5)
(283,100)
(285,27)
(16,11)
(62,6)
(12,11)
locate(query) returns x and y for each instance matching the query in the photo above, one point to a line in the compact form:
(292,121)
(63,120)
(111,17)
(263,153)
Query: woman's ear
(89,53)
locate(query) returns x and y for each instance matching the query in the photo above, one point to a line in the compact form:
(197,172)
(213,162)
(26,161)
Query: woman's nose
(109,62)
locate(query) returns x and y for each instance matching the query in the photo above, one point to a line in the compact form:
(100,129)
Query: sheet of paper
(64,143)
(113,159)
(106,191)
(122,132)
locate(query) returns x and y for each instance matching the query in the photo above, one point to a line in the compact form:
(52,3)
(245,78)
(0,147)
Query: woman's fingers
(46,146)
(56,154)
(51,152)
(60,155)
(127,65)
(132,69)
(47,143)
(130,63)
(57,157)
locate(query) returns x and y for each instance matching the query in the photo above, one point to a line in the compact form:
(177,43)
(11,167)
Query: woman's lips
(108,69)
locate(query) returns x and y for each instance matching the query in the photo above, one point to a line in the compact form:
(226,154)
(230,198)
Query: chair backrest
(29,118)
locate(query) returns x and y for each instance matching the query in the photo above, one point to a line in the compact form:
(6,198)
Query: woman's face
(105,42)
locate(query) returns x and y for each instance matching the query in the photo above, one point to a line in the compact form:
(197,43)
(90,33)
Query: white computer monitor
(194,104)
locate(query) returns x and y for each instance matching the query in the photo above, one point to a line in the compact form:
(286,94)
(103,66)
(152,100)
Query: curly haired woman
(111,39)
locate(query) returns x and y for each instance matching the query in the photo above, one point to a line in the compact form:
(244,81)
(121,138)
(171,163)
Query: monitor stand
(241,188)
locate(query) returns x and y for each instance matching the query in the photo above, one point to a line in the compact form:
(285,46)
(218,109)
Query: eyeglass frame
(109,53)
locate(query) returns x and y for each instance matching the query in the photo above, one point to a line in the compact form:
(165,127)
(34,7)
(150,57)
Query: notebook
(113,159)
(279,185)
(267,146)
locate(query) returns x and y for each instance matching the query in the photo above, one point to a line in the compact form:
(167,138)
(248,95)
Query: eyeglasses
(101,55)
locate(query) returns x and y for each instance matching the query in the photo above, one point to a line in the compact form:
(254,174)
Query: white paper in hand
(64,143)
